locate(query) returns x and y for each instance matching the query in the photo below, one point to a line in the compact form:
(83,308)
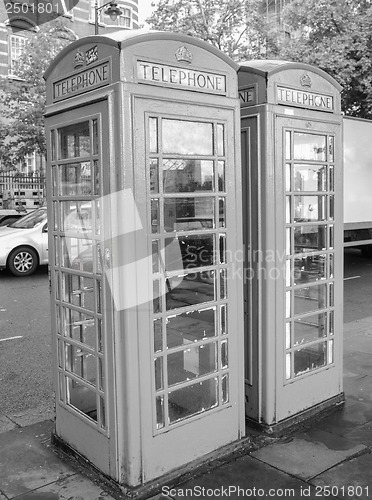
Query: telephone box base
(291,424)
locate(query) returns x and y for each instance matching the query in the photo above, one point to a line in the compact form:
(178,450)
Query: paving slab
(27,461)
(244,477)
(352,415)
(6,424)
(308,454)
(71,488)
(351,479)
(358,363)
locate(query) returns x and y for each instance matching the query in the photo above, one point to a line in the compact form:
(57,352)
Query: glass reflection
(81,397)
(193,399)
(221,176)
(76,216)
(310,178)
(309,238)
(80,327)
(310,298)
(181,176)
(309,146)
(196,250)
(311,268)
(190,327)
(220,140)
(187,137)
(193,362)
(81,362)
(153,132)
(154,176)
(185,214)
(191,289)
(309,208)
(75,179)
(74,140)
(310,328)
(310,358)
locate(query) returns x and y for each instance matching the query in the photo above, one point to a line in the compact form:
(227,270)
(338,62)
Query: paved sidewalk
(329,459)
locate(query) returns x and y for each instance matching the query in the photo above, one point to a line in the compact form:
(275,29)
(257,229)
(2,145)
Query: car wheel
(23,261)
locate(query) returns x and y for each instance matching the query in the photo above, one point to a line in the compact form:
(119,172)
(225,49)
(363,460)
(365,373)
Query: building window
(125,20)
(16,47)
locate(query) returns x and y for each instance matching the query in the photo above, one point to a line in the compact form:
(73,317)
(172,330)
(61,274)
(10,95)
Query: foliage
(336,36)
(22,99)
(236,27)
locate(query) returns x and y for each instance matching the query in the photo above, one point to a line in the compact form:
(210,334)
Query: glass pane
(223,283)
(181,176)
(185,214)
(160,421)
(331,237)
(220,140)
(310,298)
(331,148)
(309,146)
(153,131)
(330,352)
(288,177)
(82,398)
(225,389)
(224,354)
(288,209)
(331,295)
(158,374)
(77,253)
(288,365)
(310,178)
(95,136)
(192,400)
(288,340)
(222,212)
(79,291)
(187,137)
(74,140)
(310,238)
(155,256)
(156,297)
(222,248)
(331,318)
(308,269)
(53,144)
(287,145)
(82,363)
(154,176)
(158,335)
(193,362)
(195,250)
(331,178)
(223,319)
(288,304)
(190,327)
(76,217)
(288,243)
(80,327)
(75,179)
(309,208)
(155,221)
(191,289)
(331,207)
(102,412)
(310,358)
(288,273)
(96,178)
(310,328)
(221,176)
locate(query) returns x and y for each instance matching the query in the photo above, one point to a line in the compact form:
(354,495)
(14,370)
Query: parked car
(8,216)
(24,243)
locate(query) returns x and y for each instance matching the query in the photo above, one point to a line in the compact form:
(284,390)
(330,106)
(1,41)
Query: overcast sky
(144,9)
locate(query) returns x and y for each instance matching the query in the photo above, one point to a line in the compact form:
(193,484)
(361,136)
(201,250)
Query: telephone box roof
(121,39)
(267,68)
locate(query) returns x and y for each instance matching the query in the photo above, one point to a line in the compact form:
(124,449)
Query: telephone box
(293,229)
(145,221)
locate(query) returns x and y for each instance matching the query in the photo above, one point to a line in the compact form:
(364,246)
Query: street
(25,346)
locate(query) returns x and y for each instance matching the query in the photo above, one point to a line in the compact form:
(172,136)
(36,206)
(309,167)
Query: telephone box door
(190,357)
(79,142)
(309,353)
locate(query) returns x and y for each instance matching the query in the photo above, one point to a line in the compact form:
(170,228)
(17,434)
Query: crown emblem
(79,59)
(183,55)
(305,80)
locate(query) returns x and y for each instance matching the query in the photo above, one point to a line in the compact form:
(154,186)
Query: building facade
(273,11)
(20,19)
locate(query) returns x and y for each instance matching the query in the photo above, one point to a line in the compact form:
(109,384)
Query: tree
(236,27)
(336,36)
(23,99)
